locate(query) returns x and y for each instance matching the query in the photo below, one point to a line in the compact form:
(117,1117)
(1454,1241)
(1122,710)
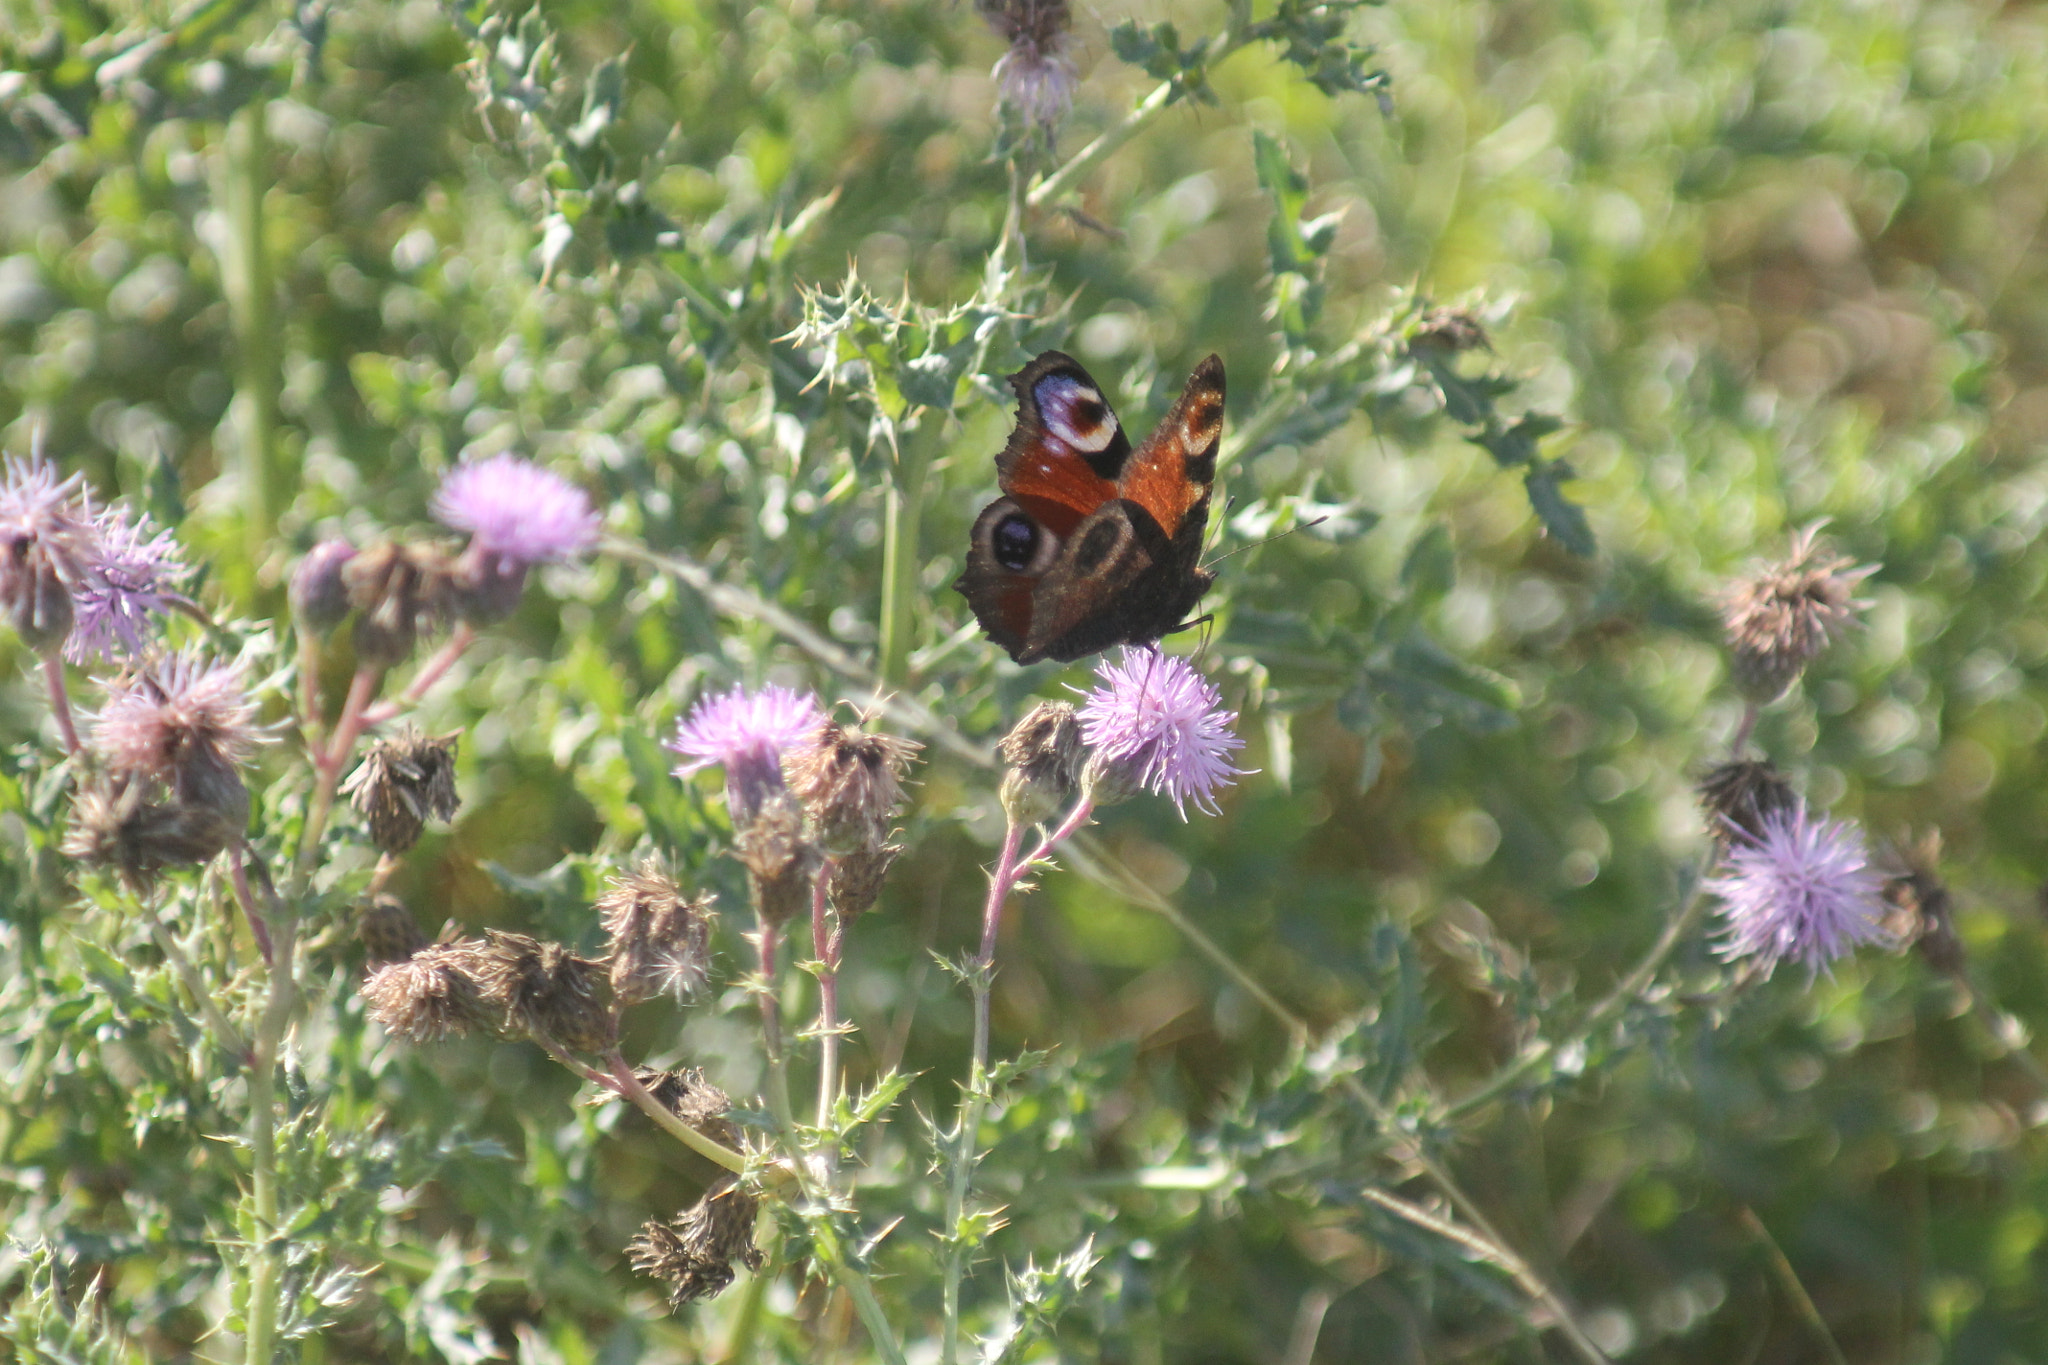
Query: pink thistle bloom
(180,709)
(517,512)
(1802,889)
(747,734)
(134,572)
(1154,722)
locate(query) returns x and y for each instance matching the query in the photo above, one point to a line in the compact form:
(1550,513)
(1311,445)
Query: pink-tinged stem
(1750,715)
(430,672)
(60,701)
(238,873)
(328,761)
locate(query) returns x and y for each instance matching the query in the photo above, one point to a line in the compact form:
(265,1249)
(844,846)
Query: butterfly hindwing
(1093,544)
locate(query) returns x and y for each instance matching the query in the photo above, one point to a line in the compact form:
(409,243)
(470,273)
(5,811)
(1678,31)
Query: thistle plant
(510,849)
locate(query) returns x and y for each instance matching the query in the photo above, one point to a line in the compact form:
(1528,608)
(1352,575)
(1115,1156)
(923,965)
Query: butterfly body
(1093,543)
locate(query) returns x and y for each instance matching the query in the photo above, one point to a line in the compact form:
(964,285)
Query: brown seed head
(850,783)
(433,994)
(1449,329)
(399,592)
(402,781)
(1739,796)
(779,859)
(660,941)
(1780,618)
(694,1100)
(546,992)
(1044,755)
(1921,912)
(387,930)
(116,824)
(694,1252)
(854,880)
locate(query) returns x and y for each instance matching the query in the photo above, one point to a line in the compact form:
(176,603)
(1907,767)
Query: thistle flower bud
(1780,618)
(387,930)
(780,861)
(1740,796)
(660,941)
(546,992)
(37,603)
(1036,76)
(485,588)
(1044,755)
(1920,912)
(854,882)
(850,783)
(401,782)
(433,994)
(399,592)
(114,824)
(318,594)
(47,548)
(694,1252)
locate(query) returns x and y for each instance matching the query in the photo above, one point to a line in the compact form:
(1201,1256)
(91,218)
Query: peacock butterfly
(1093,544)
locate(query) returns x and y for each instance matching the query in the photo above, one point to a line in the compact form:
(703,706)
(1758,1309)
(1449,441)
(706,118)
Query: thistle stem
(624,1083)
(60,701)
(1009,869)
(328,761)
(430,672)
(225,1033)
(826,942)
(238,875)
(902,516)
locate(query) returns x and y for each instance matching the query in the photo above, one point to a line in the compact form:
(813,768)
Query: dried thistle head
(780,860)
(694,1100)
(387,930)
(1449,329)
(660,939)
(1043,753)
(47,551)
(854,880)
(436,993)
(546,992)
(1739,796)
(694,1252)
(402,781)
(116,824)
(1920,912)
(850,783)
(399,592)
(1780,618)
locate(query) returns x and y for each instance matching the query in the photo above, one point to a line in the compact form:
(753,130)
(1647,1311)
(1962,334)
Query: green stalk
(251,291)
(901,561)
(266,1266)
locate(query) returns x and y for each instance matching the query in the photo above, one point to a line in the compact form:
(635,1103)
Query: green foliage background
(1764,262)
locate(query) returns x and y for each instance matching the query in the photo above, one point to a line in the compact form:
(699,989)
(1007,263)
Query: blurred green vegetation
(1767,262)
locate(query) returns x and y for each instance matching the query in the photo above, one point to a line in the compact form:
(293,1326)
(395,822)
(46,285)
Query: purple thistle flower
(133,572)
(1155,722)
(747,735)
(177,710)
(1802,889)
(516,511)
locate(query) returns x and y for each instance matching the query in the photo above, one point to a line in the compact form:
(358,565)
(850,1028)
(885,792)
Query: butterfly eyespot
(1014,542)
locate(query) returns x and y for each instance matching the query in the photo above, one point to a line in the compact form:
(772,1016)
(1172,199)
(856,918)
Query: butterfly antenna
(1268,540)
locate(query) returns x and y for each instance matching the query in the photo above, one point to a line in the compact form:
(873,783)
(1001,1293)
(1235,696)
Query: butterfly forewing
(1093,544)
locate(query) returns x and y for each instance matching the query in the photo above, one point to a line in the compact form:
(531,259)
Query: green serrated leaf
(1562,518)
